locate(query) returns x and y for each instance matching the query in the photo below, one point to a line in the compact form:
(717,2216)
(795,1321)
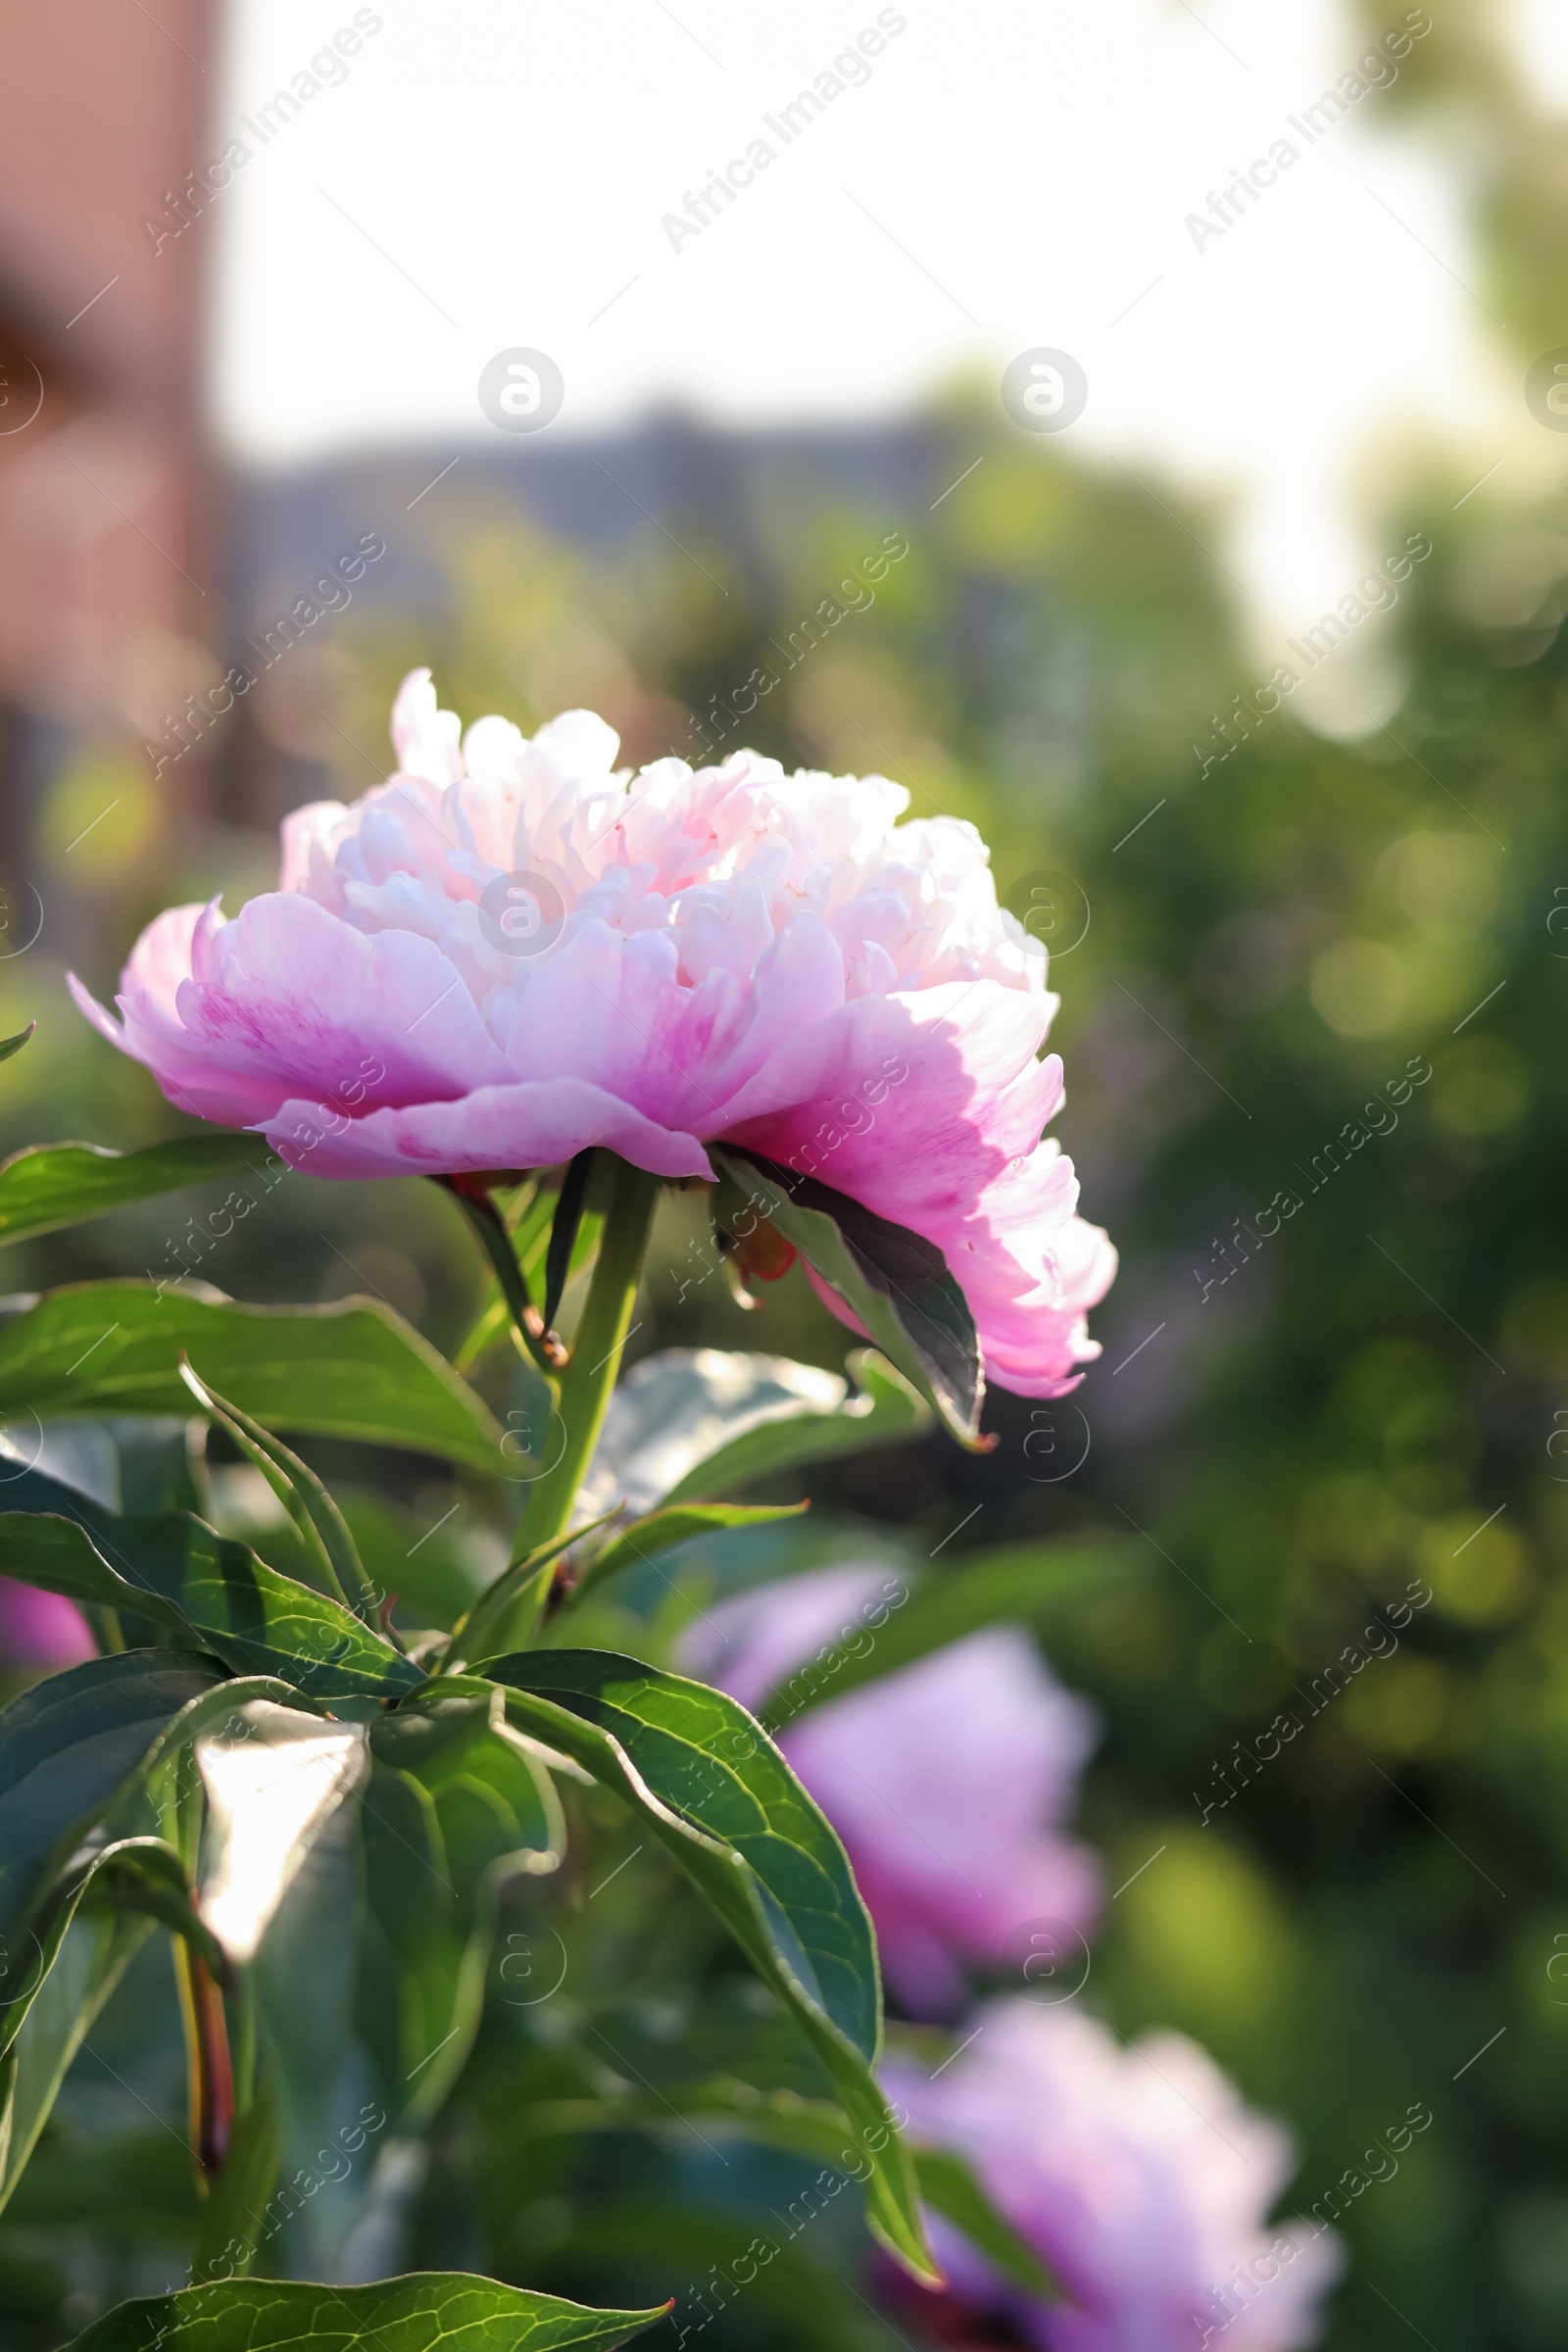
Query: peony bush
(335,1781)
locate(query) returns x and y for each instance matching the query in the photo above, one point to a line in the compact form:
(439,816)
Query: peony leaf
(883,1410)
(274,1777)
(896,1284)
(571,1202)
(72,1746)
(137,1874)
(13,1044)
(458,1804)
(460,1745)
(680,1523)
(177,1571)
(51,1185)
(320,1525)
(694,1422)
(420,2313)
(1018,1580)
(96,1950)
(717,1793)
(811,2128)
(353,1369)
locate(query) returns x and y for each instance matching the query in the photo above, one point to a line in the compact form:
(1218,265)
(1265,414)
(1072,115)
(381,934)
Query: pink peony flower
(946,1780)
(1136,2173)
(40,1630)
(512,949)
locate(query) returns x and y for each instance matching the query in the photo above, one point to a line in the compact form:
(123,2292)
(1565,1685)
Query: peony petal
(523,1126)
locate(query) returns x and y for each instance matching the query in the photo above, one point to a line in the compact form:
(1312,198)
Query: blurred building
(106,589)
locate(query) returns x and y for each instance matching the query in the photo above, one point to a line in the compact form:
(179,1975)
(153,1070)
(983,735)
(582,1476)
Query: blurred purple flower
(1137,2175)
(40,1630)
(946,1780)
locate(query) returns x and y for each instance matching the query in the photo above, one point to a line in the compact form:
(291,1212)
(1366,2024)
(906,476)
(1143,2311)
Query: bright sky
(1004,178)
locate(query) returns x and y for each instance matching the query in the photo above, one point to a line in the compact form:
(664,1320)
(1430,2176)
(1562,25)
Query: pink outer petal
(931,1117)
(520,1126)
(289,997)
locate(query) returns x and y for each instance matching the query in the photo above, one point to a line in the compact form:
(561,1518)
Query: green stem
(582,1392)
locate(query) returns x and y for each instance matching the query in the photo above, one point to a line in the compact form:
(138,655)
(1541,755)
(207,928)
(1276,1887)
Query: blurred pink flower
(946,1780)
(1137,2175)
(512,949)
(40,1630)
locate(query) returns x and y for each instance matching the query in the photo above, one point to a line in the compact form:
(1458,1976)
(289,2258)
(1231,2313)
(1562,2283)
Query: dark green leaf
(139,2183)
(573,1200)
(97,1949)
(350,1370)
(423,2311)
(896,1283)
(458,1804)
(664,1531)
(488,1227)
(720,1797)
(808,2127)
(421,1978)
(1019,1579)
(722,2250)
(320,1523)
(13,1044)
(51,1185)
(451,1740)
(71,1747)
(232,2213)
(136,1874)
(947,2184)
(177,1571)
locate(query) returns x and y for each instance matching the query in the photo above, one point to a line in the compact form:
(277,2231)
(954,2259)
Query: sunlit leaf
(424,2312)
(71,1747)
(691,1423)
(51,1185)
(353,1369)
(274,1776)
